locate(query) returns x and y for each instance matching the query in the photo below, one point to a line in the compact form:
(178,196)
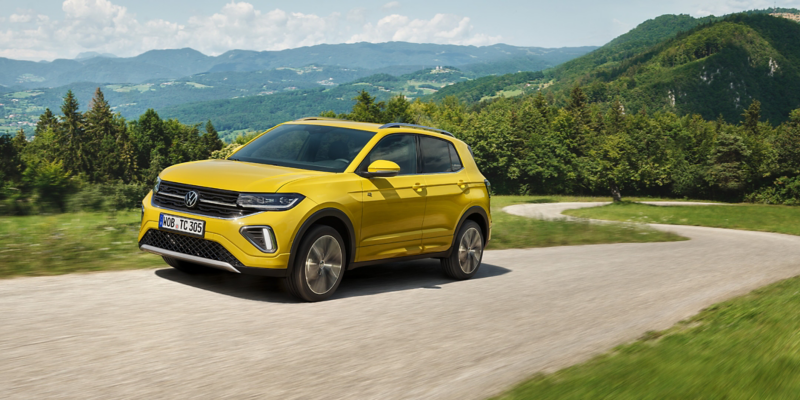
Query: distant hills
(179,63)
(168,80)
(713,66)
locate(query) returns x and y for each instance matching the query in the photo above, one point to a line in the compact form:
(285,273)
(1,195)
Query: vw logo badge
(191,199)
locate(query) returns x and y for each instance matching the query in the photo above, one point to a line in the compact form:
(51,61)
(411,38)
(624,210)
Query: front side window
(438,156)
(400,149)
(313,147)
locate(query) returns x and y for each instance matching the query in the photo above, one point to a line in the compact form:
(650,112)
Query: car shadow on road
(367,281)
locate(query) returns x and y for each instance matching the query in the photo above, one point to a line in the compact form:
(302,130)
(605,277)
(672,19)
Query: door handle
(462,184)
(418,187)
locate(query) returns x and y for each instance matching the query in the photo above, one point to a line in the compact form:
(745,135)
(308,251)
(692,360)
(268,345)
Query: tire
(319,266)
(186,267)
(467,253)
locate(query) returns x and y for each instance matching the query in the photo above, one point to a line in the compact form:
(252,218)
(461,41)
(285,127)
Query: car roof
(372,127)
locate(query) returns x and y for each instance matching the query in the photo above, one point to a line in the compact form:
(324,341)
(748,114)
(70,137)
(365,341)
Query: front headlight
(158,183)
(269,201)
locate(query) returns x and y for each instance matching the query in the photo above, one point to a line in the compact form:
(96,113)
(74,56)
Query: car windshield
(314,147)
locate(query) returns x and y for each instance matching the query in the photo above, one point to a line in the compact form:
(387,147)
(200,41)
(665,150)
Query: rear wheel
(466,257)
(186,267)
(319,265)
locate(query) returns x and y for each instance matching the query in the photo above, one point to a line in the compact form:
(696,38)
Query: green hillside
(714,69)
(711,66)
(642,37)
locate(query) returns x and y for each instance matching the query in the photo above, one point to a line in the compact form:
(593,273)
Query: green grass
(745,348)
(781,219)
(510,231)
(78,242)
(65,243)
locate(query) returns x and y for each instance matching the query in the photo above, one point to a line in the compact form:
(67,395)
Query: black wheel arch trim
(470,212)
(313,219)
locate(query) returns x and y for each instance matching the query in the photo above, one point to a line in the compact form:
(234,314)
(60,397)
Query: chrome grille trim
(187,257)
(214,203)
(218,203)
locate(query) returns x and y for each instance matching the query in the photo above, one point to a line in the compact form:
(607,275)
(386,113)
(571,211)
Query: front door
(394,207)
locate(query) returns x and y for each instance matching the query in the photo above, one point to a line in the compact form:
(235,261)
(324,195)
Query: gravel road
(393,331)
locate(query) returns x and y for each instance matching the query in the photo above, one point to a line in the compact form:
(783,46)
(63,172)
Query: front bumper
(244,257)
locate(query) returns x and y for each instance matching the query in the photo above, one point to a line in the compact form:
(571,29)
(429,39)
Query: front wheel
(466,256)
(319,265)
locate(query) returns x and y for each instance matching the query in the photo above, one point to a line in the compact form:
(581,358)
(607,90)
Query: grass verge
(766,218)
(511,231)
(78,242)
(745,348)
(64,243)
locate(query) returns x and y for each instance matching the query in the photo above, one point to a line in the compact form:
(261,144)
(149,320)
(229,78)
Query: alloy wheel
(323,264)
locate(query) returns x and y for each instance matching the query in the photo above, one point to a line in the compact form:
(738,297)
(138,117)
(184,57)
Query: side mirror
(381,169)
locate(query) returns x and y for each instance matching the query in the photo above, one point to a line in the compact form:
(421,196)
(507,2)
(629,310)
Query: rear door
(447,186)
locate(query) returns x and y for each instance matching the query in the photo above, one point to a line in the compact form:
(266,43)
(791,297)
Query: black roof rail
(401,125)
(318,119)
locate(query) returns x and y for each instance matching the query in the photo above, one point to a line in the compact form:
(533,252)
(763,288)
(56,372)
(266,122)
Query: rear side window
(455,161)
(438,156)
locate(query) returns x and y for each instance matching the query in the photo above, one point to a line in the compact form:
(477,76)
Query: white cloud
(390,5)
(442,28)
(723,7)
(102,26)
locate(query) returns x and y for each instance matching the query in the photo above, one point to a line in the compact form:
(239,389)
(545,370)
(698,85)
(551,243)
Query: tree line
(94,159)
(528,145)
(524,145)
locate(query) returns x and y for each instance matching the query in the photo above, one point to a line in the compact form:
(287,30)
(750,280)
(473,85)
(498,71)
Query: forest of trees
(94,160)
(526,145)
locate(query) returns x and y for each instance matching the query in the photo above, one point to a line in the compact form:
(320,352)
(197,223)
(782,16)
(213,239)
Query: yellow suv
(312,198)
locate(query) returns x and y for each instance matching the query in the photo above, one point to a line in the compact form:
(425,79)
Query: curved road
(393,331)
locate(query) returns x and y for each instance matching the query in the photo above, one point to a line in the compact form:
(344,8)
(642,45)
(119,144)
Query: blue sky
(49,29)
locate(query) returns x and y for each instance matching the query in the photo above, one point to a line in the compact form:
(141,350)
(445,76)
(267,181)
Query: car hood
(235,175)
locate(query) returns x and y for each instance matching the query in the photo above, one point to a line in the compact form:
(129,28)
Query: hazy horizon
(51,29)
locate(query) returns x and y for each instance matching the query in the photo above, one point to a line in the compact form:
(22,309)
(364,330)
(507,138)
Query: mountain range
(712,66)
(179,63)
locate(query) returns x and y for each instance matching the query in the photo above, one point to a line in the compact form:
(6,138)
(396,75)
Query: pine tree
(70,135)
(46,121)
(210,141)
(101,137)
(751,118)
(150,138)
(366,109)
(397,110)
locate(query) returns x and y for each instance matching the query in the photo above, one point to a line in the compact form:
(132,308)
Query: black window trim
(419,145)
(420,166)
(363,166)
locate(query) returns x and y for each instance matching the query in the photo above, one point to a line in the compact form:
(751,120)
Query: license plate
(194,227)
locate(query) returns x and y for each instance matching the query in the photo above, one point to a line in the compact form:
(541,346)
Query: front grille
(189,245)
(212,202)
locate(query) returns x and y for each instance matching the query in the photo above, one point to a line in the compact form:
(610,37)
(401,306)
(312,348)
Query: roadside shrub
(784,191)
(108,197)
(50,185)
(13,201)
